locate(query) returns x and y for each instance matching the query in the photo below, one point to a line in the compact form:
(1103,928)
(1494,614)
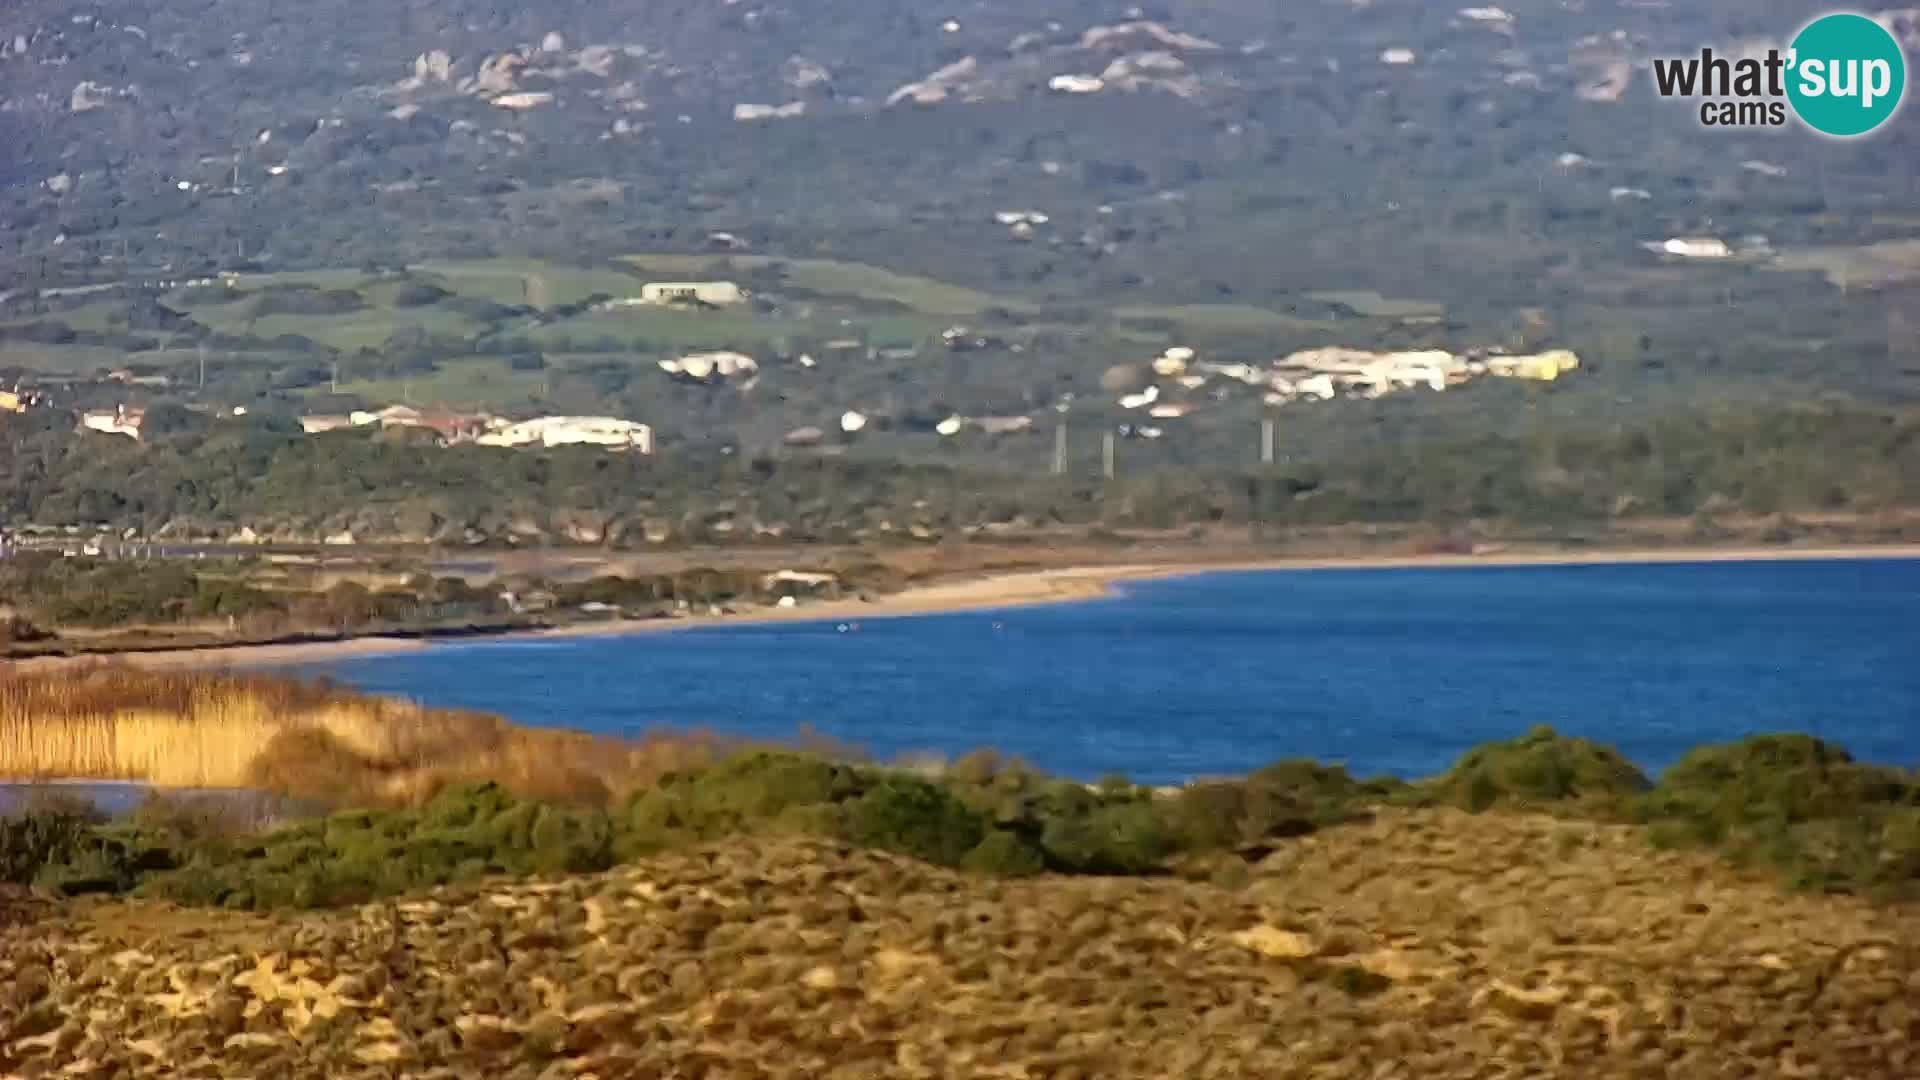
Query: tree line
(209,478)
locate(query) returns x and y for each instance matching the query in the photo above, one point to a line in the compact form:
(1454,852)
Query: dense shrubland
(1791,804)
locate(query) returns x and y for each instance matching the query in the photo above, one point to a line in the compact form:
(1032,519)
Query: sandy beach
(999,590)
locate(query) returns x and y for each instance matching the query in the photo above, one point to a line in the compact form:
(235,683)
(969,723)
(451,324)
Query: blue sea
(1384,670)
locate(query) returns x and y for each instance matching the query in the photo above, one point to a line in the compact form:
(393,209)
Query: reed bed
(306,740)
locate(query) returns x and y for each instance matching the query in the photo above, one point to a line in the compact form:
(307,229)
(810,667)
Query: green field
(59,359)
(1867,264)
(835,299)
(527,281)
(1374,306)
(648,329)
(368,328)
(1219,318)
(473,383)
(833,278)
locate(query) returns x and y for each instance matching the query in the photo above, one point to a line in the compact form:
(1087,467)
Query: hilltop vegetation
(1248,200)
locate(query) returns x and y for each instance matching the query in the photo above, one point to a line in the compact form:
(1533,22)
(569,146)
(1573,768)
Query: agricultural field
(59,359)
(529,282)
(832,278)
(475,382)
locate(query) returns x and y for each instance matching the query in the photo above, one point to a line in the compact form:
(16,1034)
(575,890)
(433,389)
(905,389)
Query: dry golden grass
(304,740)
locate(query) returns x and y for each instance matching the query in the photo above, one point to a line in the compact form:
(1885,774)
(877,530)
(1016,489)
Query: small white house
(1076,84)
(1694,247)
(717,293)
(118,421)
(704,365)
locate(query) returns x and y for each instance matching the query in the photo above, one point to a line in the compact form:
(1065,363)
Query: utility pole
(1060,448)
(1106,455)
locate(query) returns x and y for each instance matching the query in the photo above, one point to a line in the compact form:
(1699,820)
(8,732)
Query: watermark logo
(1843,75)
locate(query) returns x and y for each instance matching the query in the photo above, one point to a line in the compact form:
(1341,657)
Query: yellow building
(1545,367)
(11,402)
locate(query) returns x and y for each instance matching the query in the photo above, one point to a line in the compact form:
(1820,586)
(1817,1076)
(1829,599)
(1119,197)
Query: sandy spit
(968,594)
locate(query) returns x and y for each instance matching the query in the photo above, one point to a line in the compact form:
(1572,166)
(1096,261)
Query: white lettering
(1877,84)
(1846,86)
(1813,78)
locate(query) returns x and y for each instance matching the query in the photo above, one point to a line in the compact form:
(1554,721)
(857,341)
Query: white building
(1693,247)
(315,425)
(718,293)
(704,365)
(573,431)
(531,99)
(118,421)
(1076,84)
(746,112)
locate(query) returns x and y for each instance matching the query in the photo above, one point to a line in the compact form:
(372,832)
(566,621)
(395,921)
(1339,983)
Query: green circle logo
(1846,75)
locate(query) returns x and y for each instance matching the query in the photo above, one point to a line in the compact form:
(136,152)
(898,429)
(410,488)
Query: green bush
(64,852)
(349,857)
(1209,817)
(1287,798)
(1115,838)
(1539,769)
(1004,853)
(1789,778)
(747,793)
(914,817)
(1797,804)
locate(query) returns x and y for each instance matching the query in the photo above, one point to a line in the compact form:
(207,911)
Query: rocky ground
(1424,944)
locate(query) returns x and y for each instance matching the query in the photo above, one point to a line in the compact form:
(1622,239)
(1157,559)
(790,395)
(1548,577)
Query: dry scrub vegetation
(310,741)
(1429,944)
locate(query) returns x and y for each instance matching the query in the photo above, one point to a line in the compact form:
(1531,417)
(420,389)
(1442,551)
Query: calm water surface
(1391,671)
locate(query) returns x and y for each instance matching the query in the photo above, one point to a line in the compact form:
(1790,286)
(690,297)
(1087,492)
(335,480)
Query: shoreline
(991,591)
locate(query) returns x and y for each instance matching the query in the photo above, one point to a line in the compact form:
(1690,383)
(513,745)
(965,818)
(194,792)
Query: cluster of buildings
(480,429)
(485,429)
(1322,374)
(17,400)
(1326,373)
